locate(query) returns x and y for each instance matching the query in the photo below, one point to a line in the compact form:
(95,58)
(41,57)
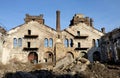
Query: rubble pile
(80,68)
(98,70)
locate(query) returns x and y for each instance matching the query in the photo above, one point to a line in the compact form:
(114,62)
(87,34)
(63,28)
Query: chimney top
(103,30)
(58,21)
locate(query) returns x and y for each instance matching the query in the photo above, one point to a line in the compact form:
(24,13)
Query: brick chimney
(103,30)
(58,21)
(91,22)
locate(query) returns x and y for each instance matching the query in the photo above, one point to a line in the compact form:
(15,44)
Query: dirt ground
(93,70)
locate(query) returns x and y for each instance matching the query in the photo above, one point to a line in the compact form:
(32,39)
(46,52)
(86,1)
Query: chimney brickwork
(58,21)
(39,18)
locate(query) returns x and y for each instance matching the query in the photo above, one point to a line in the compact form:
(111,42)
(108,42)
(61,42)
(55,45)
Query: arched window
(46,42)
(78,33)
(94,42)
(84,55)
(15,42)
(66,43)
(19,42)
(50,42)
(97,42)
(71,43)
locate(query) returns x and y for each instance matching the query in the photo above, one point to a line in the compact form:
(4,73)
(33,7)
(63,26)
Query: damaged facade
(36,42)
(110,46)
(2,41)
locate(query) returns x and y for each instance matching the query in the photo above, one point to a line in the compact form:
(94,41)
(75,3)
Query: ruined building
(2,37)
(110,46)
(36,42)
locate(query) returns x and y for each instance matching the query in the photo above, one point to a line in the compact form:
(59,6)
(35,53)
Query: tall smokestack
(58,21)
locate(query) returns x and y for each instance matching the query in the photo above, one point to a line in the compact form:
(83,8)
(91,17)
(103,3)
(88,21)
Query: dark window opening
(28,44)
(29,32)
(33,19)
(59,36)
(78,44)
(96,56)
(78,33)
(71,43)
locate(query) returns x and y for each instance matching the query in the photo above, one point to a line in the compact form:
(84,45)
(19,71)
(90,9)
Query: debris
(77,69)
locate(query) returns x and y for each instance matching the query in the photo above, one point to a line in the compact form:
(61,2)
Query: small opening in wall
(59,36)
(28,44)
(3,42)
(78,33)
(29,32)
(33,19)
(78,44)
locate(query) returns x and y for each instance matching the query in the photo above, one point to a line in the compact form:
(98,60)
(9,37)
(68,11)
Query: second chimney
(103,30)
(58,21)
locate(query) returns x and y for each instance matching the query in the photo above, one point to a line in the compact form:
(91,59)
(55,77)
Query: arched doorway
(84,55)
(96,56)
(49,57)
(33,57)
(70,56)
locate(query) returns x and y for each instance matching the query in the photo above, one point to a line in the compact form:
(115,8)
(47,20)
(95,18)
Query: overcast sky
(105,13)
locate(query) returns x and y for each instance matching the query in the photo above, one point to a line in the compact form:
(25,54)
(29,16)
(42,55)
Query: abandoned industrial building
(36,42)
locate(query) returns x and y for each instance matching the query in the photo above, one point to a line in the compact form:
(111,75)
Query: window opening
(46,42)
(29,32)
(66,43)
(94,43)
(15,42)
(20,42)
(33,19)
(78,33)
(51,42)
(28,44)
(71,43)
(78,44)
